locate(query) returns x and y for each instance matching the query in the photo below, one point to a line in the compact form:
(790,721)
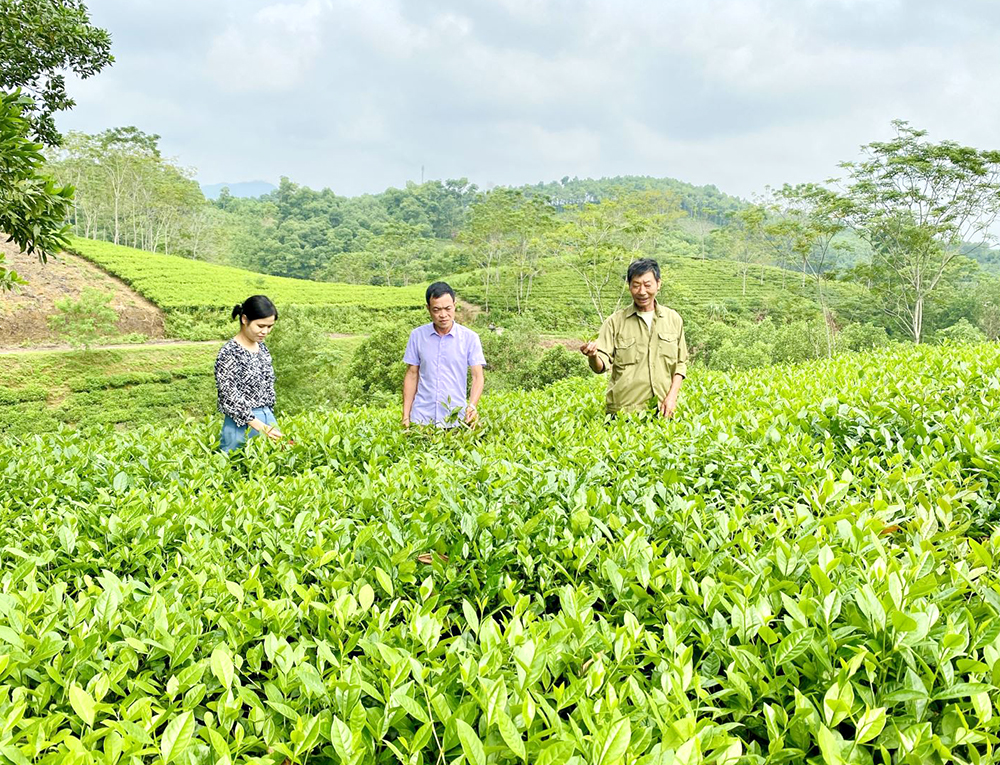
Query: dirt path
(114,347)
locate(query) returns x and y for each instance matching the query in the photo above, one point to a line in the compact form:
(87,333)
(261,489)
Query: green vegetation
(43,40)
(84,322)
(32,207)
(173,282)
(559,300)
(197,297)
(799,568)
(41,390)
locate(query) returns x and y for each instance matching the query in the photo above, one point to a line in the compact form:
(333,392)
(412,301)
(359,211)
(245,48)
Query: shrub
(307,370)
(376,370)
(862,337)
(558,363)
(83,322)
(962,331)
(800,341)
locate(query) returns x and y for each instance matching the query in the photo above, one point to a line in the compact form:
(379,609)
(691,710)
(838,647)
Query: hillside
(187,288)
(24,312)
(559,300)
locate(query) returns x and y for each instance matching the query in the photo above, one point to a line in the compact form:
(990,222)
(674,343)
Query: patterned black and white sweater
(245,380)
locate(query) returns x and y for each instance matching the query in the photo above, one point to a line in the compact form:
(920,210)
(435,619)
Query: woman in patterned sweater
(245,377)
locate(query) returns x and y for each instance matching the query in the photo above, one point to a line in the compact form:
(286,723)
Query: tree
(128,193)
(745,238)
(42,39)
(808,220)
(506,227)
(394,251)
(32,207)
(917,203)
(605,236)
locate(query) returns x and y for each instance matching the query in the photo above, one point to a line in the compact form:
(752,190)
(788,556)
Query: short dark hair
(639,267)
(439,289)
(255,307)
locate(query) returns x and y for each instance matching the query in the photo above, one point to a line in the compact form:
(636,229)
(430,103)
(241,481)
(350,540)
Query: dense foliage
(42,41)
(32,207)
(559,300)
(800,568)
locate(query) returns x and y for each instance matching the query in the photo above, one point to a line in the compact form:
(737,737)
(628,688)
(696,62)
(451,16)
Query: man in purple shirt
(439,356)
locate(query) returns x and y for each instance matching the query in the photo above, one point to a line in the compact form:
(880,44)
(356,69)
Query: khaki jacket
(642,361)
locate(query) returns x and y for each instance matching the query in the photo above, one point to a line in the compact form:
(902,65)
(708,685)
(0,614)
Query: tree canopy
(42,39)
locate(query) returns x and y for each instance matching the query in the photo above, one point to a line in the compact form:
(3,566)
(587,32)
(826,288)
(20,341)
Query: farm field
(132,386)
(559,300)
(799,568)
(182,287)
(41,390)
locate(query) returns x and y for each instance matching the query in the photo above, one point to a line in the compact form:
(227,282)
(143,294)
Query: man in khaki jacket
(643,346)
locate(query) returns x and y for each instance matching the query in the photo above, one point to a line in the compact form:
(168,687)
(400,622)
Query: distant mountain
(244,189)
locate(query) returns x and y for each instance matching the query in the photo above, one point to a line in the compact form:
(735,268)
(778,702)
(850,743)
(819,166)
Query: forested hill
(696,201)
(129,193)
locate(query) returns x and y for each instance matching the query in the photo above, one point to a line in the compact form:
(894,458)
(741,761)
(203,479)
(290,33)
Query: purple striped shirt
(444,371)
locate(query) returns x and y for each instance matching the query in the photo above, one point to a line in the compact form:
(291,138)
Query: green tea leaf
(222,665)
(510,734)
(870,724)
(384,581)
(83,704)
(471,745)
(177,737)
(614,743)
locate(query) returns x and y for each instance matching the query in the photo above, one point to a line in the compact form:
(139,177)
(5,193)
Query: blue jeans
(234,436)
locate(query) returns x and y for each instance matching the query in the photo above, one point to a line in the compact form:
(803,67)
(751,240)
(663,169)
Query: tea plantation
(800,568)
(197,297)
(559,300)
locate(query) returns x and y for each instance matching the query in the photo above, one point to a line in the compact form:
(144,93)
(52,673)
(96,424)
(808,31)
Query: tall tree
(808,219)
(917,203)
(41,40)
(128,193)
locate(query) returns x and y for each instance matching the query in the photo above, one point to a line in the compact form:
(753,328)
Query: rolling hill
(559,300)
(197,297)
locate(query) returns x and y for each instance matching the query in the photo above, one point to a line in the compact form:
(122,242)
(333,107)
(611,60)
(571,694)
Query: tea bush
(801,567)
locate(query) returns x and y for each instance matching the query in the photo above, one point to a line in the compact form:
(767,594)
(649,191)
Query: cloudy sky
(358,95)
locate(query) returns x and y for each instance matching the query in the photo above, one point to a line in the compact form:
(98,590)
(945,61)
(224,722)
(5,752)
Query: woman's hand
(271,431)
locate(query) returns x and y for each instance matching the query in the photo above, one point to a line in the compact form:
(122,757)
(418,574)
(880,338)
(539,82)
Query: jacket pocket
(626,351)
(667,346)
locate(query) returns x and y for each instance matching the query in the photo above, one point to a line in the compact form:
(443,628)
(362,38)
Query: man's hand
(590,351)
(471,415)
(668,405)
(406,420)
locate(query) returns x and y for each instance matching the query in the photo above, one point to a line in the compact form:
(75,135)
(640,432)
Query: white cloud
(273,50)
(358,94)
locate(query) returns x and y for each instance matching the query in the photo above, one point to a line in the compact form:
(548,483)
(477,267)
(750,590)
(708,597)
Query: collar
(451,332)
(632,310)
